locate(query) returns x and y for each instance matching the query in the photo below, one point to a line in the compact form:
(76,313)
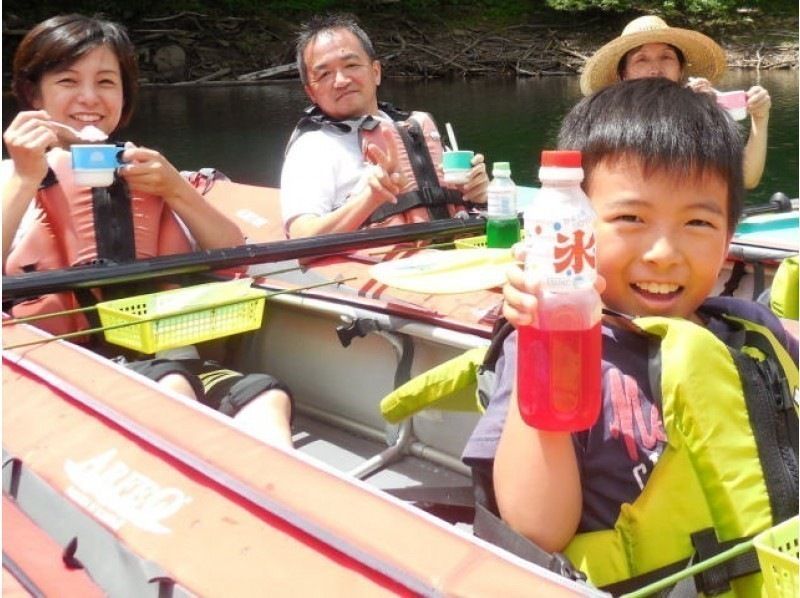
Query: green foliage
(582,5)
(702,8)
(415,10)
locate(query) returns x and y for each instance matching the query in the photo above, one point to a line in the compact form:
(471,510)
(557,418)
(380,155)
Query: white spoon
(88,133)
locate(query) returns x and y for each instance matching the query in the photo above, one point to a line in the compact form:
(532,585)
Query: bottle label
(563,252)
(501,202)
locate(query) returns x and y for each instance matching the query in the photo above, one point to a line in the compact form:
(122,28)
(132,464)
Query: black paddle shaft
(98,275)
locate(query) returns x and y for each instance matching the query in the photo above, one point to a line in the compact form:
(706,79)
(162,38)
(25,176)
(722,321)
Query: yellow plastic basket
(180,317)
(471,242)
(778,555)
(476,242)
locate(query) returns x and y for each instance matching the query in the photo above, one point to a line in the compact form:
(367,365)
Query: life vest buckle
(714,580)
(561,565)
(432,196)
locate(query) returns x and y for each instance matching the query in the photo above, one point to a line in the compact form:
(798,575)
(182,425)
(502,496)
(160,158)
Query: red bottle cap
(562,158)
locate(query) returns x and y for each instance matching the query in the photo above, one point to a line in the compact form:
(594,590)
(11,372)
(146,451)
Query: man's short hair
(665,126)
(319,24)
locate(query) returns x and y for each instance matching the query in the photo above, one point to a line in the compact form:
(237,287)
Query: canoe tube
(103,455)
(34,283)
(95,452)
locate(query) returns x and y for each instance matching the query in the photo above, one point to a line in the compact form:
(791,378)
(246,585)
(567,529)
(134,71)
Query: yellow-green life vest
(784,291)
(712,473)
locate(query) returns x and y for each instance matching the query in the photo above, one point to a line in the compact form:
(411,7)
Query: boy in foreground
(663,172)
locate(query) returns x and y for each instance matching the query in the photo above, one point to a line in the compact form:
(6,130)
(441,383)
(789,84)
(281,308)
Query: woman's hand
(699,85)
(758,102)
(475,190)
(27,140)
(147,171)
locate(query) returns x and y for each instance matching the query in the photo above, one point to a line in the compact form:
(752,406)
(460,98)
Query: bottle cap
(501,167)
(561,158)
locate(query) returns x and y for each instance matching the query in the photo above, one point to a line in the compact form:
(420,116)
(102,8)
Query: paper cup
(734,103)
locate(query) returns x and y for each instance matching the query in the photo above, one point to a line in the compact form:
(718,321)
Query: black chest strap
(113,223)
(429,193)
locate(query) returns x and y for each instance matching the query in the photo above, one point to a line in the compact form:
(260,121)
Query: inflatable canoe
(139,492)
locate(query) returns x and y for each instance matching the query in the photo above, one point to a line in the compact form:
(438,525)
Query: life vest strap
(713,580)
(422,164)
(488,526)
(113,218)
(426,197)
(314,119)
(491,528)
(49,179)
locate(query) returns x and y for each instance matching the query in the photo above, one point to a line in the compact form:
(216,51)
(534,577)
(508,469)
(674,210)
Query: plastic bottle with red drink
(558,368)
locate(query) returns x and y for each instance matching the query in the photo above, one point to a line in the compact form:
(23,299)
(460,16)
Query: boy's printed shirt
(617,455)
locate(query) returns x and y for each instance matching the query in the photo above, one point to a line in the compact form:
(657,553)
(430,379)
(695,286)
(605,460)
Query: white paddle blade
(446,272)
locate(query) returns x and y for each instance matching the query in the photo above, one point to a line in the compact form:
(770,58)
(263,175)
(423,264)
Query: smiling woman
(87,92)
(71,72)
(80,71)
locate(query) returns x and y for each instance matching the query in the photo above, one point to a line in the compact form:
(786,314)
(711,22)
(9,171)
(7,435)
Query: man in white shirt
(326,184)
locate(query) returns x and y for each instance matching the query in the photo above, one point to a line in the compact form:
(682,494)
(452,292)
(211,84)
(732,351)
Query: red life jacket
(418,147)
(64,235)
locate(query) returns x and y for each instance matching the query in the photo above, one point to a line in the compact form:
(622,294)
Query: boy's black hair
(664,125)
(320,23)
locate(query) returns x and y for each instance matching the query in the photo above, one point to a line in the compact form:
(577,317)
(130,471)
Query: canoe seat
(437,388)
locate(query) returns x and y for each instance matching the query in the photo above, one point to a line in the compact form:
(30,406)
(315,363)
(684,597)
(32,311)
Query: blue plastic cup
(94,164)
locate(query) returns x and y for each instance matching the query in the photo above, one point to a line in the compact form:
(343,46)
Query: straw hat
(704,58)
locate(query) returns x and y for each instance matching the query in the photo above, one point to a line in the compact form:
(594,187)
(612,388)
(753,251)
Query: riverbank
(191,47)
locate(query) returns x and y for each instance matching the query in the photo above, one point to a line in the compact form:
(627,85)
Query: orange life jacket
(64,235)
(418,146)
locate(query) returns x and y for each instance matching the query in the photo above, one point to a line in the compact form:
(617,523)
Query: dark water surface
(242,130)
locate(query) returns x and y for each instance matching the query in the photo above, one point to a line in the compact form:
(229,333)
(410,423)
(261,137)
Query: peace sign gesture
(383,179)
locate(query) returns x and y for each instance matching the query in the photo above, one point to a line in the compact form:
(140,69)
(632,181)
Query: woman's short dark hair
(664,125)
(318,24)
(58,42)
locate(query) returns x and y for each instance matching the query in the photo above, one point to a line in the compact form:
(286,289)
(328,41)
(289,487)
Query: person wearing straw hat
(648,47)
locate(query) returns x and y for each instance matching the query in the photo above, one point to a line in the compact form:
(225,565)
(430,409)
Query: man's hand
(382,182)
(475,190)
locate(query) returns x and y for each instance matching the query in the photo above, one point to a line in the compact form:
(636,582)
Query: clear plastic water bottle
(558,369)
(502,223)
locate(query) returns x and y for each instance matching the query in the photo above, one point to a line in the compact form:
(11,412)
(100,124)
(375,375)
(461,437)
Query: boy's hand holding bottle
(558,354)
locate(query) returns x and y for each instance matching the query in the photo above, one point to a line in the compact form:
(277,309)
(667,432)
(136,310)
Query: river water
(242,130)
